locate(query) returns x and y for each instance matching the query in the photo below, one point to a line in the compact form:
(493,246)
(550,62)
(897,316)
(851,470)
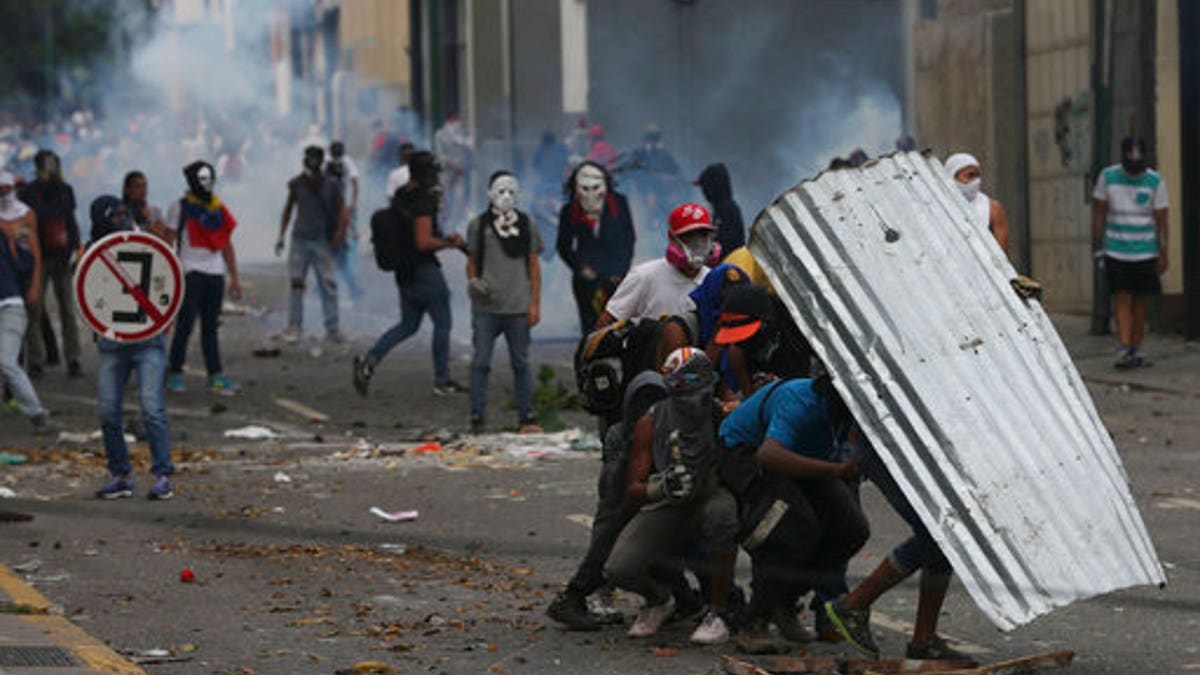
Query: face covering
(503,195)
(970,189)
(688,254)
(200,179)
(591,189)
(49,169)
(1134,163)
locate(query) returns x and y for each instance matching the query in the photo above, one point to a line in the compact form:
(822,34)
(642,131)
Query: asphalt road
(299,577)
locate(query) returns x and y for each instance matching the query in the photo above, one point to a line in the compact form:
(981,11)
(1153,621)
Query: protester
(399,176)
(342,170)
(600,150)
(456,151)
(202,228)
(20,285)
(653,172)
(118,360)
(505,282)
(756,341)
(595,239)
(799,518)
(672,476)
(1129,231)
(53,201)
(727,215)
(320,229)
(419,279)
(661,286)
(988,212)
(135,191)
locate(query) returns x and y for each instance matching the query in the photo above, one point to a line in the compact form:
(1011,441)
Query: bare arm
(1099,215)
(773,456)
(534,268)
(1161,224)
(640,461)
(159,229)
(235,284)
(425,241)
(999,225)
(286,218)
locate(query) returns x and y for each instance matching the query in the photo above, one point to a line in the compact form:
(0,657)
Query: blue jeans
(316,254)
(202,295)
(919,551)
(117,362)
(13,320)
(425,292)
(485,328)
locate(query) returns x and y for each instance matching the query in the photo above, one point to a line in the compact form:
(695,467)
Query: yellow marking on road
(905,628)
(1178,503)
(93,653)
(21,593)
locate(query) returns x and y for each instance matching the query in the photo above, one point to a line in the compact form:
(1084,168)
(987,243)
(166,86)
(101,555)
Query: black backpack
(392,238)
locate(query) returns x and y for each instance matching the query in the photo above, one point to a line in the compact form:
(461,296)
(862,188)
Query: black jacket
(611,253)
(53,202)
(727,215)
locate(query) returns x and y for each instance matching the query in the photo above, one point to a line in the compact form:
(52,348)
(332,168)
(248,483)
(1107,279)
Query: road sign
(129,286)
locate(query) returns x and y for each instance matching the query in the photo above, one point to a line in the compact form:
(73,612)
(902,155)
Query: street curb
(32,608)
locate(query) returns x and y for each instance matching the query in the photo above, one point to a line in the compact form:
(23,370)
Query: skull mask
(200,177)
(591,189)
(503,194)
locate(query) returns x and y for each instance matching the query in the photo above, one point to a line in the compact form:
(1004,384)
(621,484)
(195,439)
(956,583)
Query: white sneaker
(711,631)
(651,618)
(291,335)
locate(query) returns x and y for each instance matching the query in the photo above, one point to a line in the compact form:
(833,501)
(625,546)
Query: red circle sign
(129,286)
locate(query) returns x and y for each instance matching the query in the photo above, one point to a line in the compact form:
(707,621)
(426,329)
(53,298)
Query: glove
(1026,288)
(278,248)
(674,484)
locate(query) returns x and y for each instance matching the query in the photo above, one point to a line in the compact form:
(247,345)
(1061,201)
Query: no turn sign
(128,286)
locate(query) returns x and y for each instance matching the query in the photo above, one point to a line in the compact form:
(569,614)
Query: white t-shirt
(203,260)
(348,178)
(396,179)
(652,289)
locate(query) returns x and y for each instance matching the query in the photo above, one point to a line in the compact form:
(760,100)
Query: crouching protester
(672,476)
(798,518)
(118,360)
(851,613)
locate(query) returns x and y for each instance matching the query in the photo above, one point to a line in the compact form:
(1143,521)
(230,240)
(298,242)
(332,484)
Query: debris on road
(7,493)
(187,576)
(302,410)
(253,432)
(12,458)
(800,665)
(281,477)
(395,516)
(84,437)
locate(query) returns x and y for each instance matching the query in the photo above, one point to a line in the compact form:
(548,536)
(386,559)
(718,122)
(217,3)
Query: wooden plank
(1023,664)
(734,666)
(302,410)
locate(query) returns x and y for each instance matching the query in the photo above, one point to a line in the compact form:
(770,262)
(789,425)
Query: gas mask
(502,193)
(1134,161)
(969,189)
(591,190)
(692,250)
(201,178)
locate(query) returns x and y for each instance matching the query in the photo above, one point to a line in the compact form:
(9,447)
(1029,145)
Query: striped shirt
(1129,231)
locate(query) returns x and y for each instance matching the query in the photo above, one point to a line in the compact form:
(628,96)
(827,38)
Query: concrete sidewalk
(33,641)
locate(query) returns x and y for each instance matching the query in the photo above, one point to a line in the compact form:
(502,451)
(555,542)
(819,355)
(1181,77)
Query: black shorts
(1139,278)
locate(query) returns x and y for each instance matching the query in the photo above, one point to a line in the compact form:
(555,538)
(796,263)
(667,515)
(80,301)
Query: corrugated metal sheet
(964,388)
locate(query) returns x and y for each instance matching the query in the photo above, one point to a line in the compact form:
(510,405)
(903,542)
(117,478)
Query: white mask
(205,178)
(10,207)
(698,248)
(969,189)
(503,194)
(591,190)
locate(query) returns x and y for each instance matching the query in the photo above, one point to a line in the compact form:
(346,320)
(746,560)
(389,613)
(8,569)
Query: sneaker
(937,650)
(711,631)
(161,490)
(477,424)
(755,637)
(603,607)
(175,383)
(824,628)
(854,625)
(291,335)
(651,618)
(790,627)
(118,487)
(363,370)
(570,609)
(447,388)
(336,338)
(221,384)
(1128,360)
(74,371)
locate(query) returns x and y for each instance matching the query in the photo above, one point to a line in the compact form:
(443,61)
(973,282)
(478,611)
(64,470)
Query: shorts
(1139,277)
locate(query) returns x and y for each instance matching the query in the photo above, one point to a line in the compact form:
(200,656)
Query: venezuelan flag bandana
(209,224)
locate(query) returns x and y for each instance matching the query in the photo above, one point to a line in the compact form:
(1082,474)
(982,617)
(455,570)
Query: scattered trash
(12,458)
(187,576)
(796,665)
(586,443)
(665,651)
(267,352)
(7,493)
(28,567)
(91,552)
(253,432)
(394,517)
(427,448)
(398,549)
(85,437)
(377,667)
(281,477)
(154,653)
(302,410)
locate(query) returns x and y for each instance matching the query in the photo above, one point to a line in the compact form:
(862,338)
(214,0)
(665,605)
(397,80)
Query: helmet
(688,368)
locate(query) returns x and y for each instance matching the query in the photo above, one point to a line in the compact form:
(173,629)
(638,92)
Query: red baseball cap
(688,217)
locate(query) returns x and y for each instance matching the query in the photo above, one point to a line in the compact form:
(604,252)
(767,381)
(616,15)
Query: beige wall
(1167,133)
(375,33)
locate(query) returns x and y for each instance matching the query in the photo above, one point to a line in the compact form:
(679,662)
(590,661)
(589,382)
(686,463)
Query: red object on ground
(187,576)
